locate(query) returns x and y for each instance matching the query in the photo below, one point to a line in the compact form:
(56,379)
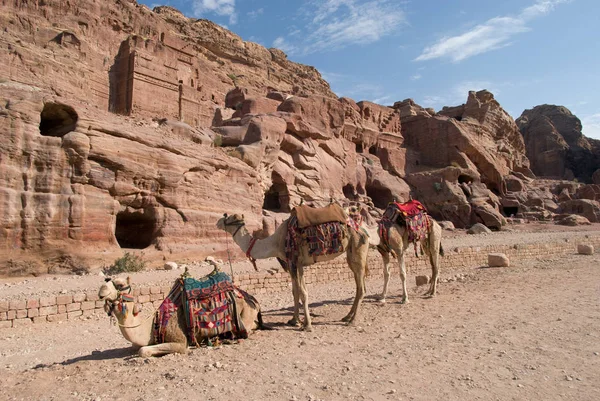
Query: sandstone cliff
(556,146)
(126,128)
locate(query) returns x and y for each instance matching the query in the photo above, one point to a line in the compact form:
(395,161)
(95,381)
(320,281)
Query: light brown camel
(398,244)
(138,330)
(355,245)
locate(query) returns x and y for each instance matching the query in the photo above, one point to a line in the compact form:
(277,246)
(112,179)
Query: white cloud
(224,8)
(416,77)
(339,23)
(255,13)
(281,44)
(382,99)
(591,126)
(493,34)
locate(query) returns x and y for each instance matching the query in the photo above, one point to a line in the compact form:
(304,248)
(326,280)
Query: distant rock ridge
(556,145)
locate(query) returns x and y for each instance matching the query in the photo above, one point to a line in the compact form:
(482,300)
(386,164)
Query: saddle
(208,307)
(411,215)
(311,216)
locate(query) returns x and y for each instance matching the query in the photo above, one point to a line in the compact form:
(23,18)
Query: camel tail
(441,249)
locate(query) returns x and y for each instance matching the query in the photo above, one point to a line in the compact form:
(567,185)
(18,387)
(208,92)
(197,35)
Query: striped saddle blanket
(208,306)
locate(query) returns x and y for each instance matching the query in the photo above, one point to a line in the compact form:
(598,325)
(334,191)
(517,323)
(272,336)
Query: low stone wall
(74,306)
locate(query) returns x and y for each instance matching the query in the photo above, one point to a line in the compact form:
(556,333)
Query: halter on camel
(239,224)
(124,296)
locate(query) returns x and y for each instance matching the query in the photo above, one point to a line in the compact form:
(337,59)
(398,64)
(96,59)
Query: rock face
(556,146)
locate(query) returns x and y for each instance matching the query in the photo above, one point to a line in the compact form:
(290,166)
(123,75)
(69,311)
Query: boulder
(585,249)
(573,220)
(422,280)
(446,225)
(170,266)
(478,228)
(498,260)
(587,208)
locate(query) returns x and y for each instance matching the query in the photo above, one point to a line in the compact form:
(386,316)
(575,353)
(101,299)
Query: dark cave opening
(380,196)
(57,119)
(510,211)
(277,198)
(135,228)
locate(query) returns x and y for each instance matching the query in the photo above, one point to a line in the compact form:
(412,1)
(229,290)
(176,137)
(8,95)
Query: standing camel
(398,243)
(118,301)
(354,244)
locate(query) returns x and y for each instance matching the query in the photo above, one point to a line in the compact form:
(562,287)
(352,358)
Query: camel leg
(162,349)
(434,258)
(386,275)
(304,296)
(400,253)
(358,268)
(295,320)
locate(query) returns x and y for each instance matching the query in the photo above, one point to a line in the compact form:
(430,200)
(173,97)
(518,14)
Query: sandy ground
(528,332)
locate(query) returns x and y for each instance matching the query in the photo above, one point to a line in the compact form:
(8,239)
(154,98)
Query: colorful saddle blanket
(322,239)
(412,215)
(208,306)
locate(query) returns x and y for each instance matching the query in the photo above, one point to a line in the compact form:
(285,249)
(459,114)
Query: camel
(354,245)
(138,330)
(398,244)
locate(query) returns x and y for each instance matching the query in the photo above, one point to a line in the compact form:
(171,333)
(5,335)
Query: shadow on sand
(117,353)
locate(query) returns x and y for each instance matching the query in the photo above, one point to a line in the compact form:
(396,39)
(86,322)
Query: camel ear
(242,216)
(225,215)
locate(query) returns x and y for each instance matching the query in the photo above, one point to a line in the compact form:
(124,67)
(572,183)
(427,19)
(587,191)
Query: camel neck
(135,329)
(262,248)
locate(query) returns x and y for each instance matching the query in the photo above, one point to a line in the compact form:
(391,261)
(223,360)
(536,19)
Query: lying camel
(138,330)
(354,245)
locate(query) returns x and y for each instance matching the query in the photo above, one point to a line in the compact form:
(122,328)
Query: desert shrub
(218,141)
(125,264)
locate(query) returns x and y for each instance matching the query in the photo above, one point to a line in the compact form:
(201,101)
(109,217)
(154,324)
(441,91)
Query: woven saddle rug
(208,306)
(412,215)
(321,239)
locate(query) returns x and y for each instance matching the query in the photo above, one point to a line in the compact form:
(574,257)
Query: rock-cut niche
(277,198)
(57,119)
(136,228)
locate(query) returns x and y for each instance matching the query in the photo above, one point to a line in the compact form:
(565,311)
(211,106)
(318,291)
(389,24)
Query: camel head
(114,292)
(231,224)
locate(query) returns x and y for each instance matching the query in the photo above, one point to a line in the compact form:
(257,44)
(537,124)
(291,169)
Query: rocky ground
(531,331)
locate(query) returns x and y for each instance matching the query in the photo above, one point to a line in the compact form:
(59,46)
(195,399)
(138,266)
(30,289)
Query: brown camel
(398,244)
(138,330)
(354,245)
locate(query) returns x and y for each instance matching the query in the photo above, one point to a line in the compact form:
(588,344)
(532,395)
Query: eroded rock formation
(128,128)
(556,146)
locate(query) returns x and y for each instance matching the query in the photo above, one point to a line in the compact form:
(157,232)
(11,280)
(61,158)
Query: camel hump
(311,216)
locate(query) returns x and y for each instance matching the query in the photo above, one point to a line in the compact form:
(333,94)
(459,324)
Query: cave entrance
(359,148)
(373,150)
(277,198)
(380,196)
(135,228)
(57,119)
(463,178)
(350,192)
(510,211)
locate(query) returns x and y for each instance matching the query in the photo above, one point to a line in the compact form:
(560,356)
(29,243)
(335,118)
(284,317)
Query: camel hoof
(346,319)
(308,329)
(381,300)
(351,323)
(293,322)
(404,301)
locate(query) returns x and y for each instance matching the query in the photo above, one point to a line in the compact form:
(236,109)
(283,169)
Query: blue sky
(527,52)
